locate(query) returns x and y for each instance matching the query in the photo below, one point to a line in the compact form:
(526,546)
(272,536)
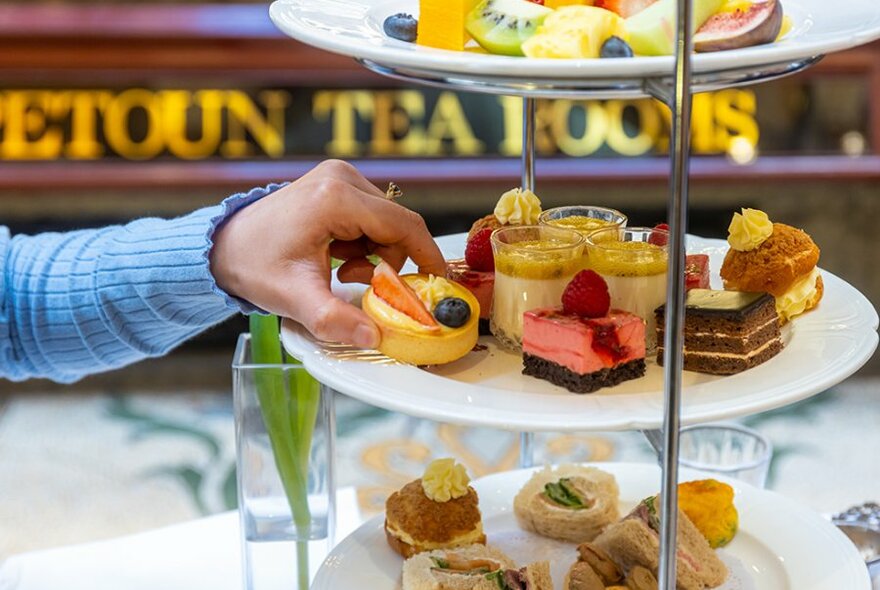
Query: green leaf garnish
(498,577)
(653,517)
(564,494)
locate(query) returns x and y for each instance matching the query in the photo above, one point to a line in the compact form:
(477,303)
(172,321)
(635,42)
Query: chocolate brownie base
(535,366)
(718,365)
(483,327)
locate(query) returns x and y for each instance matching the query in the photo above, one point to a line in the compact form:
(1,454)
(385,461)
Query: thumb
(329,318)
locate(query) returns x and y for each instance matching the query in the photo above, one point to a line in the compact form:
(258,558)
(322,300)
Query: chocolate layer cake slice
(583,354)
(725,332)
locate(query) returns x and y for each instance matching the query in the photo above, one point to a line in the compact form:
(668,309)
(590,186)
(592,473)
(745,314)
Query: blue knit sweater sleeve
(82,302)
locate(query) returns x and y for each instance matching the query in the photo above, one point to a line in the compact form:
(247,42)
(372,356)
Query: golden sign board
(143,124)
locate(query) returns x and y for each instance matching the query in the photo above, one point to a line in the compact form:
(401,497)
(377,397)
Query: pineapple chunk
(441,23)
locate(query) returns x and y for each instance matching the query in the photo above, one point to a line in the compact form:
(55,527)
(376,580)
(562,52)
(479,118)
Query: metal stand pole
(673,340)
(526,449)
(527,439)
(528,144)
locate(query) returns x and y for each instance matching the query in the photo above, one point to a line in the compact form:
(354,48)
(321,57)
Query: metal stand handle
(673,333)
(527,439)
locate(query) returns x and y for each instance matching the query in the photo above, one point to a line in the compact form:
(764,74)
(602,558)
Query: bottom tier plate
(780,544)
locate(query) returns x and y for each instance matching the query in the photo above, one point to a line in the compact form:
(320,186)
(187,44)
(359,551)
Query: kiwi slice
(501,26)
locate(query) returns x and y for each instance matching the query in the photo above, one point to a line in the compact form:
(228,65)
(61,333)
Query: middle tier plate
(487,388)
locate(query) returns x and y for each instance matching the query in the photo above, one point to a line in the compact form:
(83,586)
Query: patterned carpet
(79,467)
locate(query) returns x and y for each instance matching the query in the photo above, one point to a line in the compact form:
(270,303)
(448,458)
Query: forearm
(90,301)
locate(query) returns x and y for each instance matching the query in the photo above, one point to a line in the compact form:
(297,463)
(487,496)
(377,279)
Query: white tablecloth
(201,554)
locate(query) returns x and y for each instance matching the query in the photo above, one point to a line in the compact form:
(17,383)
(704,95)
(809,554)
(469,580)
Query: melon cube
(441,23)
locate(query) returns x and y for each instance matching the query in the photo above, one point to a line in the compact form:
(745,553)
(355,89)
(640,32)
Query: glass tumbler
(727,449)
(633,261)
(533,265)
(583,218)
(285,431)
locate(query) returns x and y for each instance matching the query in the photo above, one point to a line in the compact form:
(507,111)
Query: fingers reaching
(395,229)
(329,318)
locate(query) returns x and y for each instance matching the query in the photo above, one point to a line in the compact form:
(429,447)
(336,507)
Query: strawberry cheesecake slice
(583,346)
(583,354)
(480,283)
(696,272)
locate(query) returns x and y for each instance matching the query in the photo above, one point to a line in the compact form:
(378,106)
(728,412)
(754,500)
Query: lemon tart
(423,319)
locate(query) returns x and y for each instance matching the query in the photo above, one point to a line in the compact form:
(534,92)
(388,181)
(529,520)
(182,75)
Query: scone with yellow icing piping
(775,258)
(423,319)
(437,511)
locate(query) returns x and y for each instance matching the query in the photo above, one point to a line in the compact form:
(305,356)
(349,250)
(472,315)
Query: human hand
(276,252)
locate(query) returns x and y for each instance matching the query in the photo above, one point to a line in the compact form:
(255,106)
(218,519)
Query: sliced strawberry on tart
(423,319)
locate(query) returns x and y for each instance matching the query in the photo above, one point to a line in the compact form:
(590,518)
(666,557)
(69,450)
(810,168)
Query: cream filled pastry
(437,511)
(571,503)
(774,258)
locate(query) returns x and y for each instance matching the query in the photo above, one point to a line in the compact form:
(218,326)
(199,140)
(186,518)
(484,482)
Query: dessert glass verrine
(633,261)
(583,218)
(533,264)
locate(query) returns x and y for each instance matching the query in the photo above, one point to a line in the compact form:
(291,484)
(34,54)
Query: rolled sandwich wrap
(475,567)
(571,503)
(635,541)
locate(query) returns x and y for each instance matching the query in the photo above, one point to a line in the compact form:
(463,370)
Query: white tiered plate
(354,28)
(823,347)
(780,545)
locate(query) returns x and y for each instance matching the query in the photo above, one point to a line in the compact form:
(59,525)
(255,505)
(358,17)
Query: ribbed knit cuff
(222,213)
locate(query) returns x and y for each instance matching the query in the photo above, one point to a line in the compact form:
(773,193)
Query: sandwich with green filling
(635,541)
(474,567)
(570,503)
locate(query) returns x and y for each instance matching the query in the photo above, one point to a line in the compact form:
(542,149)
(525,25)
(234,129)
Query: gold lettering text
(448,123)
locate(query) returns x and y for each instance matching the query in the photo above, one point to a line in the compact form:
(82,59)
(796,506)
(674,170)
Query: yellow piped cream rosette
(774,258)
(407,340)
(518,207)
(571,503)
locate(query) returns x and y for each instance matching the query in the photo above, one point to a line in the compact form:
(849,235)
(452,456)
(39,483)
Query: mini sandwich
(594,570)
(571,503)
(438,511)
(635,541)
(475,567)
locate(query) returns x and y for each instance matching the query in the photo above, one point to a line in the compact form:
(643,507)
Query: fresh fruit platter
(567,38)
(570,29)
(555,320)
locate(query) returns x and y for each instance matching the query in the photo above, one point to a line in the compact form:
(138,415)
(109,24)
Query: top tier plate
(486,388)
(354,28)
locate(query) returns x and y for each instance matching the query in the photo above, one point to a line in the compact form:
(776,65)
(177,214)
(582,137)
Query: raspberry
(541,2)
(657,238)
(586,295)
(478,252)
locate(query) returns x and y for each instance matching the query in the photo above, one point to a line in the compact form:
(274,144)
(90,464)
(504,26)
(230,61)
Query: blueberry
(616,47)
(401,26)
(452,312)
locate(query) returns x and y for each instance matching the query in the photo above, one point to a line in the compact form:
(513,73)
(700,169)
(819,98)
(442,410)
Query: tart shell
(421,347)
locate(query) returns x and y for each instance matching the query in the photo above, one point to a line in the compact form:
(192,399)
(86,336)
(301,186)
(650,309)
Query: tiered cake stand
(835,340)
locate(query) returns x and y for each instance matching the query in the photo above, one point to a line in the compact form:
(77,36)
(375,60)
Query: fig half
(759,24)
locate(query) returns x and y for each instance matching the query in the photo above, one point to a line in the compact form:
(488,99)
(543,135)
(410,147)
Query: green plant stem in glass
(289,403)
